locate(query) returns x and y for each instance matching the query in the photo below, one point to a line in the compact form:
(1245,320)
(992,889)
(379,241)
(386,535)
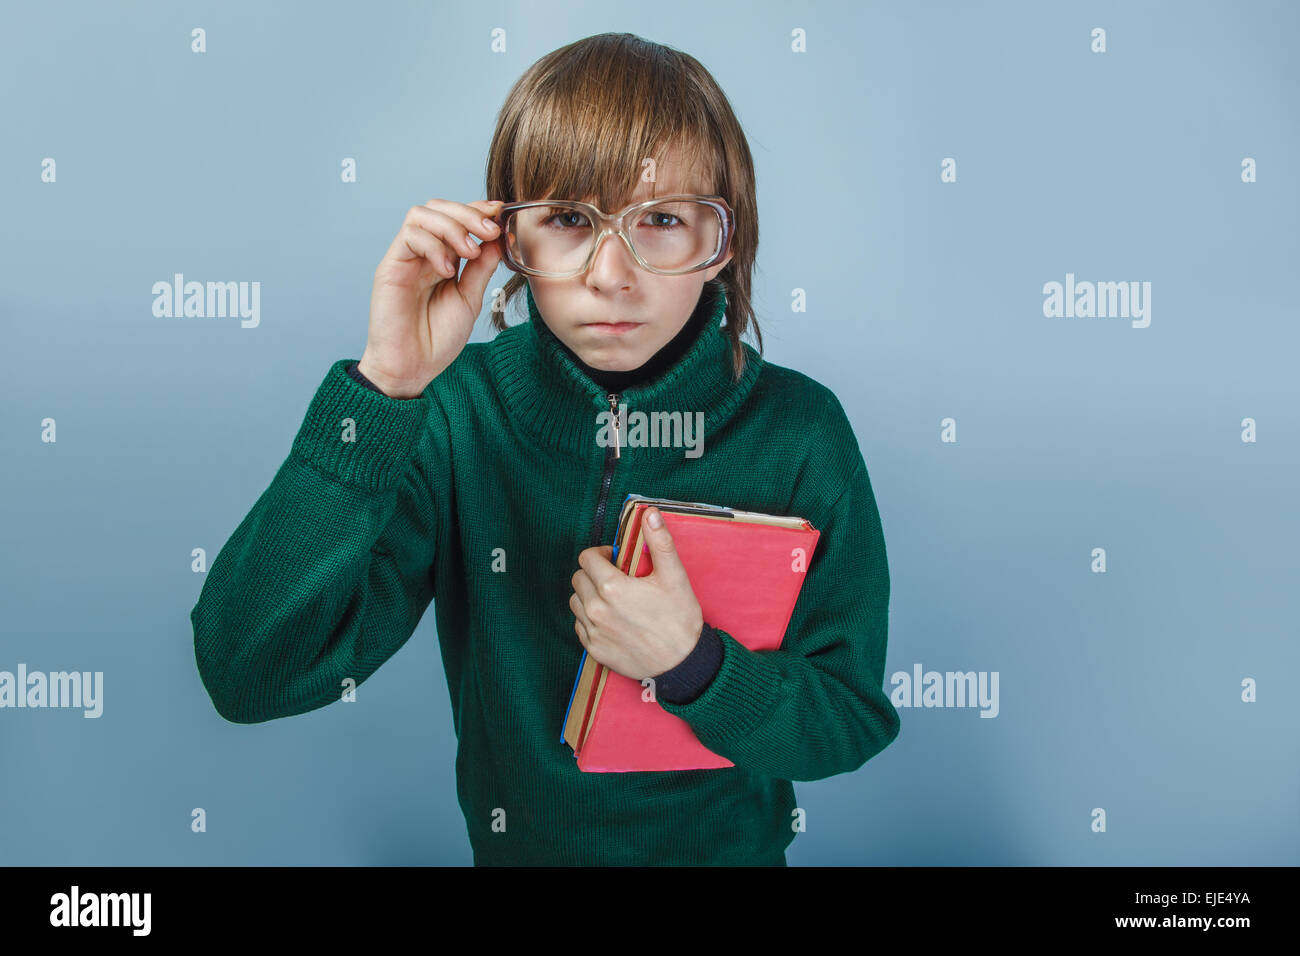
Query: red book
(746,570)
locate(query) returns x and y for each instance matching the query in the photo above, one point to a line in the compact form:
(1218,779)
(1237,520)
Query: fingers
(415,242)
(583,588)
(604,577)
(451,226)
(454,223)
(582,625)
(490,208)
(661,543)
(441,233)
(580,616)
(476,275)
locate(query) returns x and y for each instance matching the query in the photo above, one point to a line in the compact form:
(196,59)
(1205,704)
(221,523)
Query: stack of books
(746,570)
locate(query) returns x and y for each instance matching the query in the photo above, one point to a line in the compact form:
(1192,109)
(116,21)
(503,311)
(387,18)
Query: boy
(470,475)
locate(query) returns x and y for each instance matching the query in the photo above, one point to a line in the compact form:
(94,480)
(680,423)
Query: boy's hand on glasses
(421,313)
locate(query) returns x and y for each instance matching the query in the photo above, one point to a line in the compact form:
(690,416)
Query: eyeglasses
(669,235)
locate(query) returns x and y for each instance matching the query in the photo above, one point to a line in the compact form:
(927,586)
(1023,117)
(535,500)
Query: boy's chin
(605,364)
(613,358)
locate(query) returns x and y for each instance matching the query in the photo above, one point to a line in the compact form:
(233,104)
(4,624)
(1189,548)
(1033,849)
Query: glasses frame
(612,224)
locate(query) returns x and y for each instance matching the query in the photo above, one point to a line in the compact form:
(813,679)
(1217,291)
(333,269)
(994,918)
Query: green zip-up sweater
(478,496)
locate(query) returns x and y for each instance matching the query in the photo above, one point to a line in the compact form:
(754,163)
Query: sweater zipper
(608,476)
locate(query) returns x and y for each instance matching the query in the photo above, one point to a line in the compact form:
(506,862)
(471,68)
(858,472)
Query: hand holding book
(742,571)
(636,626)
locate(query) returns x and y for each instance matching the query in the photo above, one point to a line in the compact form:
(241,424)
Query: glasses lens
(673,236)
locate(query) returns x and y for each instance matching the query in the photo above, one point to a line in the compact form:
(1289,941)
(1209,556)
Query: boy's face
(616,289)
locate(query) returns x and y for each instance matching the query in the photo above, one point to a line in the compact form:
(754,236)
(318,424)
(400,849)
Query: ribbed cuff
(360,435)
(740,696)
(683,683)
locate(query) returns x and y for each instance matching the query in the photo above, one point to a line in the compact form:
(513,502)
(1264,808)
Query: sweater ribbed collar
(558,403)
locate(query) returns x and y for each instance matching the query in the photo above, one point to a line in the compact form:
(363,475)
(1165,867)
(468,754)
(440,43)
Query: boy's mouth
(615,328)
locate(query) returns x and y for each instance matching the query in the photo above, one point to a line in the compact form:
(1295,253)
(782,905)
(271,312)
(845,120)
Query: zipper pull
(618,426)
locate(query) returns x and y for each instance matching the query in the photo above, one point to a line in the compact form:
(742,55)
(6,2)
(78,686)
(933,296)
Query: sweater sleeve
(816,706)
(331,570)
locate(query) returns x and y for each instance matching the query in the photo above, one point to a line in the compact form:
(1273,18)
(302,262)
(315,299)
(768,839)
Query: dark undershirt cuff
(355,372)
(683,683)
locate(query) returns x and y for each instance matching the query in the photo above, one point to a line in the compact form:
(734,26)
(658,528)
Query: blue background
(1118,690)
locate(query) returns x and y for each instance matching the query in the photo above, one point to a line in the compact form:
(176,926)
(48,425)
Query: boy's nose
(613,261)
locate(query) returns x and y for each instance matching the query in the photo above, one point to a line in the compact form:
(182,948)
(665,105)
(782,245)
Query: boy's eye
(564,218)
(657,218)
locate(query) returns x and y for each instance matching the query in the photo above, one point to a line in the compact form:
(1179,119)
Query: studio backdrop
(1044,254)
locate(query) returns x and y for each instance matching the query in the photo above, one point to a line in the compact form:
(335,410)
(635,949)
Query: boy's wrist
(354,373)
(380,383)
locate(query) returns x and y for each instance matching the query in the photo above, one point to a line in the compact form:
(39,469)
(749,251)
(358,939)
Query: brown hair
(581,121)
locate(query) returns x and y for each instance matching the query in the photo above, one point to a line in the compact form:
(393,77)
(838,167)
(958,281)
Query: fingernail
(655,520)
(489,224)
